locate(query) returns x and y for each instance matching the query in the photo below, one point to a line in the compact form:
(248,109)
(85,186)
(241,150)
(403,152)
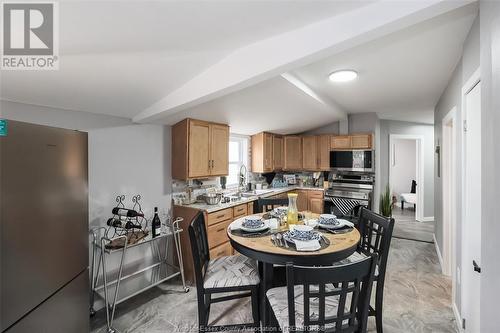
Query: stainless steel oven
(349,191)
(352,160)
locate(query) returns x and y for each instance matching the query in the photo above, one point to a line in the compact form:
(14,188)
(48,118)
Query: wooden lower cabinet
(250,207)
(217,233)
(216,224)
(310,200)
(302,200)
(222,250)
(240,210)
(315,201)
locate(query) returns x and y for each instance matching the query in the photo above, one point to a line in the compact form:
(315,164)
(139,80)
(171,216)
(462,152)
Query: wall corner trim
(458,318)
(438,253)
(427,219)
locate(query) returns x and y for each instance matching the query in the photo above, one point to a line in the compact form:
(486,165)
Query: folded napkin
(236,225)
(312,245)
(346,223)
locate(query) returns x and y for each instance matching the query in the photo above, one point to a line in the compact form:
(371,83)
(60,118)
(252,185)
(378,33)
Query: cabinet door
(293,153)
(309,153)
(361,141)
(268,152)
(262,152)
(316,205)
(199,149)
(302,201)
(324,152)
(250,207)
(341,142)
(219,150)
(277,152)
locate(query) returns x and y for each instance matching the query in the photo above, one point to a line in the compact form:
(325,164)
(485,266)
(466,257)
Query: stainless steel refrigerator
(43,230)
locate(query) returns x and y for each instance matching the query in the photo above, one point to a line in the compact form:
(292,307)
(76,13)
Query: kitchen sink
(255,193)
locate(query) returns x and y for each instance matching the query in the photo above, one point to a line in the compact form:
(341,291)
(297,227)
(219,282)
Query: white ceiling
(119,57)
(401,76)
(273,105)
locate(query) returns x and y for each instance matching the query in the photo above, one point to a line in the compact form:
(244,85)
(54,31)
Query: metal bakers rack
(142,274)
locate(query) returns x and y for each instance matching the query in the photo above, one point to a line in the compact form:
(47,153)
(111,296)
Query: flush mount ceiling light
(344,75)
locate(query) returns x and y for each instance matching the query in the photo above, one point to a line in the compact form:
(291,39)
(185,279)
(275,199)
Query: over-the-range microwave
(352,160)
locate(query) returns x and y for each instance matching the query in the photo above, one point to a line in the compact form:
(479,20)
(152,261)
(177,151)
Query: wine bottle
(131,225)
(112,222)
(126,212)
(156,224)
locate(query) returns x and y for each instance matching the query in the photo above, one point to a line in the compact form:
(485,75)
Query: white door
(472,222)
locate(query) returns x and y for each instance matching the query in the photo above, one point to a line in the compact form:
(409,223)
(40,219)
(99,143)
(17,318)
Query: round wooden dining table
(262,249)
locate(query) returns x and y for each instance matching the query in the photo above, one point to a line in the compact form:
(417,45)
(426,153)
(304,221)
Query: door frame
(473,80)
(419,158)
(449,198)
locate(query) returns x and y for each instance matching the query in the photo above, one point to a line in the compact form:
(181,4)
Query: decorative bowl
(328,219)
(301,235)
(252,222)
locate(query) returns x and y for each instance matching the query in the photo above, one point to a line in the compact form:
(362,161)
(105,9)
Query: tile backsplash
(199,187)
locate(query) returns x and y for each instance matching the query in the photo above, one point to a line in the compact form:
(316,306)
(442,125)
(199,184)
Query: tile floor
(417,299)
(407,227)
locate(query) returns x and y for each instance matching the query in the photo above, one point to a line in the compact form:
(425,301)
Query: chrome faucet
(243,178)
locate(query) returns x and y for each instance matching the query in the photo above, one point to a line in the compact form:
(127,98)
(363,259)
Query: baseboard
(438,253)
(427,219)
(458,319)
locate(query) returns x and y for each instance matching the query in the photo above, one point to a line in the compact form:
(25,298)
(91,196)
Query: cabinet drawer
(240,210)
(315,194)
(217,234)
(221,251)
(221,215)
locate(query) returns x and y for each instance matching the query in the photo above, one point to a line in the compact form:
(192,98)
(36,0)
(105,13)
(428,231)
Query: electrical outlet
(459,279)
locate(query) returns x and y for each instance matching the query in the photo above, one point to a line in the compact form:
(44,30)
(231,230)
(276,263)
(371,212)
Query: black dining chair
(267,204)
(328,298)
(231,274)
(376,234)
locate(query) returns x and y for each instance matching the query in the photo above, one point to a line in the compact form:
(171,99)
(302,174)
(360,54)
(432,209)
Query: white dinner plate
(341,224)
(259,229)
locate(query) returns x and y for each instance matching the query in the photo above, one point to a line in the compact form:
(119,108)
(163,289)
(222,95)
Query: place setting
(302,238)
(331,224)
(253,226)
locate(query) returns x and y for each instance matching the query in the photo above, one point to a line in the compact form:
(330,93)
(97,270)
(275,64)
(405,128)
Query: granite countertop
(273,191)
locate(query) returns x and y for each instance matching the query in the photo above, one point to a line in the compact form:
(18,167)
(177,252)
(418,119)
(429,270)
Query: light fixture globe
(344,75)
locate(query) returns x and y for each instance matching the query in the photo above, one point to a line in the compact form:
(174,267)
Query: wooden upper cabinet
(341,142)
(293,152)
(278,152)
(219,147)
(354,141)
(309,153)
(268,151)
(262,152)
(361,141)
(199,149)
(324,152)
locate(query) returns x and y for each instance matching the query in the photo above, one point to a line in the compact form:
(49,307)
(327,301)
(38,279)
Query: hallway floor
(417,299)
(408,228)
